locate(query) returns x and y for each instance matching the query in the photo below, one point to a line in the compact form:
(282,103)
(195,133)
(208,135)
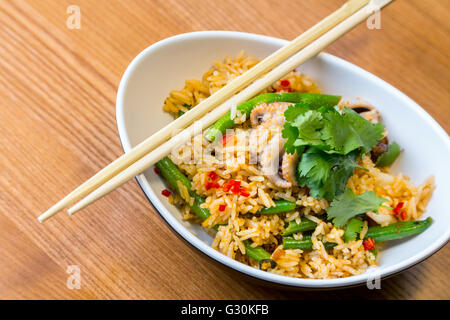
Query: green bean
(353,229)
(398,230)
(379,234)
(304,225)
(388,157)
(304,244)
(280,207)
(314,99)
(172,174)
(257,253)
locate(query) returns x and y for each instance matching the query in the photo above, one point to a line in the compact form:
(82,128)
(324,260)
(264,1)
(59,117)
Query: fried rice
(236,214)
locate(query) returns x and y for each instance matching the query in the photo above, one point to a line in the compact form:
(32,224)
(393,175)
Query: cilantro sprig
(348,205)
(330,141)
(348,131)
(325,174)
(330,130)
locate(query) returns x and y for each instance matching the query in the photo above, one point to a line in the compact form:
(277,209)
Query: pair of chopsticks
(211,109)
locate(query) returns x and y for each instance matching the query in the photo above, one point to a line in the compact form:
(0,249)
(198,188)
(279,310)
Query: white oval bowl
(166,64)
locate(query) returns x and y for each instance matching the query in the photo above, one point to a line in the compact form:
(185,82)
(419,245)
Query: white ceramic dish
(166,64)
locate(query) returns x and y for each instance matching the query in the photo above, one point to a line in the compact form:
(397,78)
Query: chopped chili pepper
(156,170)
(222,207)
(236,188)
(212,185)
(243,192)
(227,186)
(225,139)
(285,83)
(398,207)
(166,193)
(369,244)
(403,215)
(213,175)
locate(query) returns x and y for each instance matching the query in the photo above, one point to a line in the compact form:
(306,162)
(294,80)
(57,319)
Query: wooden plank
(57,128)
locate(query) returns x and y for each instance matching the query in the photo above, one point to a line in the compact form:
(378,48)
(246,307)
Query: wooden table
(57,128)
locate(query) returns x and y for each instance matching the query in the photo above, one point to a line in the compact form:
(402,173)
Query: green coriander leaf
(342,169)
(349,131)
(354,227)
(349,205)
(293,111)
(325,174)
(336,131)
(315,166)
(340,172)
(290,134)
(309,126)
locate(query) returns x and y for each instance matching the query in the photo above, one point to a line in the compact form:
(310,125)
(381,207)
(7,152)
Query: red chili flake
(244,193)
(212,185)
(369,244)
(285,83)
(222,207)
(213,175)
(227,186)
(403,215)
(166,193)
(236,188)
(156,170)
(398,207)
(225,138)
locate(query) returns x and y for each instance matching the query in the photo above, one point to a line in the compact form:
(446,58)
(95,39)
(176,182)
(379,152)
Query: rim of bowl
(221,258)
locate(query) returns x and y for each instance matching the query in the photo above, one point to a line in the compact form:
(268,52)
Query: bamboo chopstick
(205,106)
(274,75)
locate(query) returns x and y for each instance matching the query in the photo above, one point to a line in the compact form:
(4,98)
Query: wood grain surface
(57,128)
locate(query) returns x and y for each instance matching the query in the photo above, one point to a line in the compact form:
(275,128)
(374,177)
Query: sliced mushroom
(270,161)
(379,149)
(268,117)
(269,114)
